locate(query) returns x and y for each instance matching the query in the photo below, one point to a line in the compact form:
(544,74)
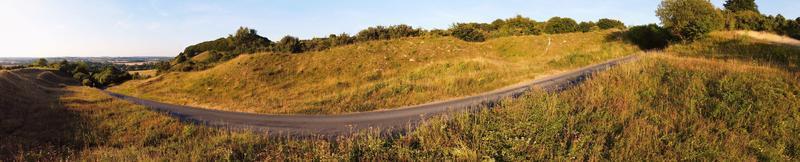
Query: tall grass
(662,107)
(379,74)
(763,50)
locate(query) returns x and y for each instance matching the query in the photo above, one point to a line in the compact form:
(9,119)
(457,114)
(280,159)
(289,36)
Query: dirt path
(398,119)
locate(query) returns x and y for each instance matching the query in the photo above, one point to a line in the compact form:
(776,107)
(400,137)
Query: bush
(557,25)
(289,44)
(41,62)
(649,36)
(467,32)
(792,29)
(518,26)
(688,20)
(587,26)
(610,24)
(384,33)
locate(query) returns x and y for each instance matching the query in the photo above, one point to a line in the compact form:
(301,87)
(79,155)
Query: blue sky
(34,28)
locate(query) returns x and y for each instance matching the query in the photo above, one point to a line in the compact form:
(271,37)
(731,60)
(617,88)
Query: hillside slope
(31,117)
(661,107)
(377,74)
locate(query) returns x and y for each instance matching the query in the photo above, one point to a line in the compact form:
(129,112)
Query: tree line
(91,74)
(247,40)
(690,20)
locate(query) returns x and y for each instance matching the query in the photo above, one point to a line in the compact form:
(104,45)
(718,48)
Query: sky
(51,28)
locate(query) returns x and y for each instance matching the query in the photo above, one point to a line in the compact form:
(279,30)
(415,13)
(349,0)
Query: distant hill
(377,74)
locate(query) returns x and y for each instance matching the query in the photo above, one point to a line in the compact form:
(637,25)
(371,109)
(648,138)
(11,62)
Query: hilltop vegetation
(247,40)
(378,74)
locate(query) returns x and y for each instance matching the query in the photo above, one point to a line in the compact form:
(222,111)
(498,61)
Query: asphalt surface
(386,121)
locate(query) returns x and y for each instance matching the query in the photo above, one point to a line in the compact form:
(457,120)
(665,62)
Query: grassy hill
(377,74)
(665,106)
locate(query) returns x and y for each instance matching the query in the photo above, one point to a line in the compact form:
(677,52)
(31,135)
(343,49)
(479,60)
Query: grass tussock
(377,75)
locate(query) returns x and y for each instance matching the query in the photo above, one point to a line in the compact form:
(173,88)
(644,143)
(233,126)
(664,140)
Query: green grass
(378,74)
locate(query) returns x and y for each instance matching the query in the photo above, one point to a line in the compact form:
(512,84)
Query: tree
(110,75)
(557,25)
(41,62)
(689,20)
(467,32)
(610,23)
(741,5)
(289,44)
(519,26)
(649,36)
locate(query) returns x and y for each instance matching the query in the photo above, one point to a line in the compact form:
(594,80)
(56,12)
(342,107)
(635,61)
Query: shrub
(649,36)
(688,20)
(289,44)
(41,62)
(519,26)
(467,32)
(557,25)
(610,24)
(792,29)
(587,26)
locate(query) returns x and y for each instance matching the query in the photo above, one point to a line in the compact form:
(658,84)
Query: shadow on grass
(35,125)
(779,55)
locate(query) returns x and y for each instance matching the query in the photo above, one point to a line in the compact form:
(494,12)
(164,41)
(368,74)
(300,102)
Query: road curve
(398,119)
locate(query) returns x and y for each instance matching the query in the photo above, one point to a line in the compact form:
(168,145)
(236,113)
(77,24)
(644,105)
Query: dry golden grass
(144,73)
(759,48)
(770,37)
(377,75)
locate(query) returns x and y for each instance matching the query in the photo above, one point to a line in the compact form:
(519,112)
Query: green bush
(610,24)
(467,32)
(649,36)
(689,20)
(557,25)
(289,44)
(587,26)
(384,33)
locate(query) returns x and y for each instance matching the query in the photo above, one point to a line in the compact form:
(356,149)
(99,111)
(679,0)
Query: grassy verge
(379,74)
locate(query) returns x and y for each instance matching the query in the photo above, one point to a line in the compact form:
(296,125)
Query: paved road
(392,120)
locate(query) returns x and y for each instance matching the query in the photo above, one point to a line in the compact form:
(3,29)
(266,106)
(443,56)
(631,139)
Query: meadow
(378,75)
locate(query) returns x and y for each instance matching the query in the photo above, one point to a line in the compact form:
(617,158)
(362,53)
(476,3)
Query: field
(379,74)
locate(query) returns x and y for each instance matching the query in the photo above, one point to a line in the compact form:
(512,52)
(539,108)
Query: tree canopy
(741,5)
(557,25)
(688,20)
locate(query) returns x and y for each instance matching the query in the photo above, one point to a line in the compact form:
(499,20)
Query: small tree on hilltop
(689,20)
(741,5)
(610,23)
(40,63)
(289,44)
(467,32)
(587,26)
(557,25)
